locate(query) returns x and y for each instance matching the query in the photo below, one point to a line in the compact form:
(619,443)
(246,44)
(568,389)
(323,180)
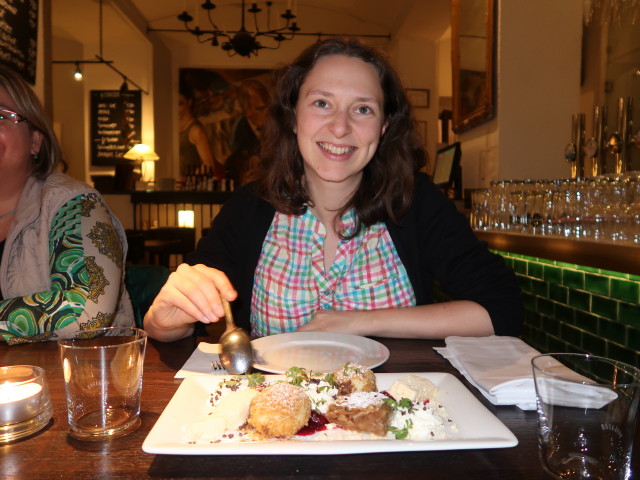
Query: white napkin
(200,361)
(500,367)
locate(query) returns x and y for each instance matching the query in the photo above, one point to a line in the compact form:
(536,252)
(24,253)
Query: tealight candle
(25,406)
(19,401)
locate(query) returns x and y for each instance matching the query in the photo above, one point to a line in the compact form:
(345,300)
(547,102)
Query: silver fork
(217,367)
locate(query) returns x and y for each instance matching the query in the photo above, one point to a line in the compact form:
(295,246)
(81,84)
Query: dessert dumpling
(280,410)
(354,378)
(364,412)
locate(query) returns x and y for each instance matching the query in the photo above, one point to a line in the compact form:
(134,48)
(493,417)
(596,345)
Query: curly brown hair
(387,181)
(50,157)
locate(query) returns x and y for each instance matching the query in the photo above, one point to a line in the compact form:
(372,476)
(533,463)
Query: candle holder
(25,405)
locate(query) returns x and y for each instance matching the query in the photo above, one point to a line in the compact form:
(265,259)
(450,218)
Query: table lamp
(146,156)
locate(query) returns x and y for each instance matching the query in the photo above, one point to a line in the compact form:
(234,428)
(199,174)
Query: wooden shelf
(608,256)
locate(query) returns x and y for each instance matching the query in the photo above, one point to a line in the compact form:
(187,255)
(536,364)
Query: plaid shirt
(291,284)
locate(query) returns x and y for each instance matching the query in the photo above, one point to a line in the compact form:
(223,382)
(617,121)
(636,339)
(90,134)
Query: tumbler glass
(587,413)
(103,380)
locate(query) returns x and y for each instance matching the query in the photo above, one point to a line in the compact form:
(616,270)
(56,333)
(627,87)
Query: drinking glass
(480,209)
(587,408)
(103,380)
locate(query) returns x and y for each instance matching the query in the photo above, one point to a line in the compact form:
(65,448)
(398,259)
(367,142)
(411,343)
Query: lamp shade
(141,153)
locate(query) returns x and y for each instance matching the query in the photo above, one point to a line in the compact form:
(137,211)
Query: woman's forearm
(439,320)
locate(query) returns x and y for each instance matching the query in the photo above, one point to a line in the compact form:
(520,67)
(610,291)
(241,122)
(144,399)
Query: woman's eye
(364,110)
(321,103)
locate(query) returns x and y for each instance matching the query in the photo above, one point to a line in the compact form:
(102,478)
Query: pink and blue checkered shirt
(291,284)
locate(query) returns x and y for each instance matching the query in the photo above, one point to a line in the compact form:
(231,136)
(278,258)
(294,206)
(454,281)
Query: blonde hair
(49,157)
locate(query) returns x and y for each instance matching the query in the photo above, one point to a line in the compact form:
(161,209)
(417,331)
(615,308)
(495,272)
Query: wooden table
(52,453)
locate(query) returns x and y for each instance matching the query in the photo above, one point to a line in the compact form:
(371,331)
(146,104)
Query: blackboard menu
(19,36)
(116,124)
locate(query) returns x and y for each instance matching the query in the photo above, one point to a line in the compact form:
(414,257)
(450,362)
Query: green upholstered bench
(143,284)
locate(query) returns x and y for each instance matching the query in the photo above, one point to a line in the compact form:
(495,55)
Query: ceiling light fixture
(124,88)
(77,75)
(245,42)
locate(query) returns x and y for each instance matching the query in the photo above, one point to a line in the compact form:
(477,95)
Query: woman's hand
(191,294)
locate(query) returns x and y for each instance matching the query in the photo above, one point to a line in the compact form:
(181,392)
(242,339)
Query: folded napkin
(200,361)
(500,367)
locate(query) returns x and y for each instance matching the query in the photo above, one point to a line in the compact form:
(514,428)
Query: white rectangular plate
(477,426)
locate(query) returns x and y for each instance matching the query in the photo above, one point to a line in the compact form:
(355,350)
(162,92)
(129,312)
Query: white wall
(445,78)
(539,65)
(537,92)
(414,59)
(164,108)
(69,107)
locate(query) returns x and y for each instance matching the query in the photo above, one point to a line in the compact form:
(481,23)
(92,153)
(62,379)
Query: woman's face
(339,120)
(17,143)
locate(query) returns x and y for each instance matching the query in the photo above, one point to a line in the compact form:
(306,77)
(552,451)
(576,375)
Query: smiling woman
(339,233)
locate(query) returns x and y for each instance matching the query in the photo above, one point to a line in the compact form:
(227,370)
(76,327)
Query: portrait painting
(221,114)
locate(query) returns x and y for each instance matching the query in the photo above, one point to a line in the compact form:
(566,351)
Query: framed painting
(221,114)
(418,97)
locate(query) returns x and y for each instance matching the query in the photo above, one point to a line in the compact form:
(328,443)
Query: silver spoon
(236,353)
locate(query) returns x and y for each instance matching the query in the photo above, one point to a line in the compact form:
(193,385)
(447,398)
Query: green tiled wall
(572,308)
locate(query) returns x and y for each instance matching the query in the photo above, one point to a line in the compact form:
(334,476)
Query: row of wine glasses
(603,208)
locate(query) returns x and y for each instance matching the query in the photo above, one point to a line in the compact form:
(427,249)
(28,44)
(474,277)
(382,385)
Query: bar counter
(52,453)
(618,257)
(579,295)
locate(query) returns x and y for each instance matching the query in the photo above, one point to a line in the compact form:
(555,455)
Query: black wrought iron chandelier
(243,42)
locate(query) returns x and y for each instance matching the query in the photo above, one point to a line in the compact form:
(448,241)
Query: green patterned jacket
(62,268)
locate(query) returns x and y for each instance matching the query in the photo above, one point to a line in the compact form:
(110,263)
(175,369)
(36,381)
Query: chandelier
(242,42)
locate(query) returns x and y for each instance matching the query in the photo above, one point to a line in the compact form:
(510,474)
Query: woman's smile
(336,149)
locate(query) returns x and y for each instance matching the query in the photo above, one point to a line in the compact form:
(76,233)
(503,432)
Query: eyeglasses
(8,118)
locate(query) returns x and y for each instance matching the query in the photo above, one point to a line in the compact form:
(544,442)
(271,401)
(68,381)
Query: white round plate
(317,351)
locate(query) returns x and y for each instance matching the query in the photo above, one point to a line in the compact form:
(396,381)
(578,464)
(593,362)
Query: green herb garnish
(330,379)
(402,433)
(347,367)
(403,403)
(255,379)
(296,375)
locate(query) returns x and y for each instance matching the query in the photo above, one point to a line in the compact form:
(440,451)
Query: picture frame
(418,97)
